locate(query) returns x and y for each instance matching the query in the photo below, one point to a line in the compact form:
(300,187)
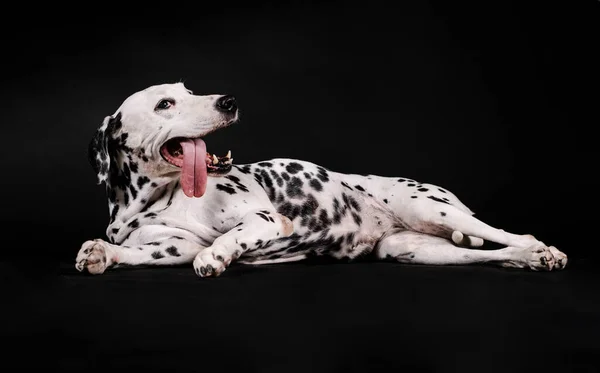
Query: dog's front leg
(255,227)
(95,256)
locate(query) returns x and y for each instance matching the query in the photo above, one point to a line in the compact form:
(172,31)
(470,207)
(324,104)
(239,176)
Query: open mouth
(172,152)
(195,162)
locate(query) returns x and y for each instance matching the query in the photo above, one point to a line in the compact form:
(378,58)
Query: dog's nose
(226,104)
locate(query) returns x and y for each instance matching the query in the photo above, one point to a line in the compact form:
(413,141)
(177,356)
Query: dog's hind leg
(96,256)
(429,219)
(419,248)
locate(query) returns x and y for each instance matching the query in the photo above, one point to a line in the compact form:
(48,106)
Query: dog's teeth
(228,154)
(215,159)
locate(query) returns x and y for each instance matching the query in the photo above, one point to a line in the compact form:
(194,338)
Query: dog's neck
(130,192)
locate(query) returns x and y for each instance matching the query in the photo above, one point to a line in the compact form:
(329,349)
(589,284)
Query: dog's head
(160,130)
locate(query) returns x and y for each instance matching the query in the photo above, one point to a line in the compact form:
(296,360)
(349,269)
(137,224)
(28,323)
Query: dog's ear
(99,152)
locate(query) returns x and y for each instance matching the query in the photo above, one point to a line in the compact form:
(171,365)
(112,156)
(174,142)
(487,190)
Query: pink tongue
(193,171)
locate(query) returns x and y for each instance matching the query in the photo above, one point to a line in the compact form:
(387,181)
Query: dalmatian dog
(172,202)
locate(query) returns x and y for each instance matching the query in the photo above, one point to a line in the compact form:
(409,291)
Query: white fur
(397,218)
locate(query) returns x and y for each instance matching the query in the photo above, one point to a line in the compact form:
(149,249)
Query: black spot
(142,180)
(222,210)
(244,169)
(157,255)
(177,237)
(243,245)
(268,184)
(153,185)
(277,178)
(322,174)
(294,168)
(413,196)
(237,183)
(125,198)
(226,189)
(133,191)
(134,167)
(112,195)
(442,190)
(263,216)
(410,184)
(350,238)
(324,219)
(437,199)
(316,185)
(285,176)
(369,194)
(154,243)
(422,189)
(134,224)
(346,185)
(172,250)
(385,200)
(443,213)
(294,187)
(351,201)
(401,180)
(310,206)
(359,188)
(115,230)
(150,215)
(312,225)
(337,211)
(286,209)
(238,224)
(307,175)
(265,164)
(113,214)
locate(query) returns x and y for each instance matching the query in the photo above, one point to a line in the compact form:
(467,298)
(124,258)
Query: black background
(496,101)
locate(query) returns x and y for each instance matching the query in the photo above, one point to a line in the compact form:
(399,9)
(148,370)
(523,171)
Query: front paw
(560,258)
(93,257)
(213,261)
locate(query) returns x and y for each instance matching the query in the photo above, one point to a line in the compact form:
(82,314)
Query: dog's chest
(226,200)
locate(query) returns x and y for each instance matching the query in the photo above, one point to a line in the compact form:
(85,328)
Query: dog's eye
(164,104)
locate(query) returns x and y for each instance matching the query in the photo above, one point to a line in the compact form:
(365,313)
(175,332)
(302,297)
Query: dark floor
(304,317)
